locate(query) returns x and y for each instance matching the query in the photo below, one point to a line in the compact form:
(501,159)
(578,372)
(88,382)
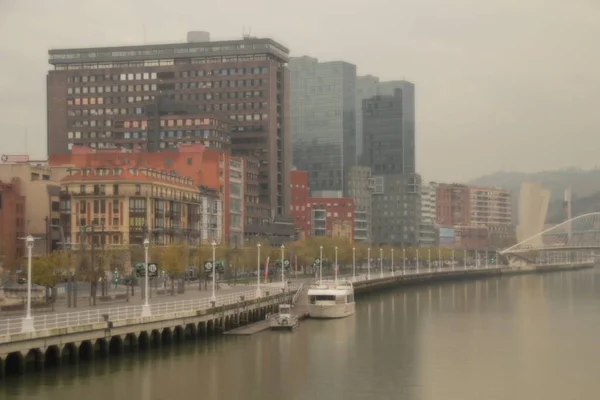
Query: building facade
(299,208)
(428,228)
(13,214)
(40,185)
(396,209)
(473,206)
(323,122)
(360,188)
(92,91)
(388,141)
(214,171)
(121,206)
(369,86)
(331,217)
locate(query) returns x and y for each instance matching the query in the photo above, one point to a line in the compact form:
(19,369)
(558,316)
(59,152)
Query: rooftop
(245,46)
(112,173)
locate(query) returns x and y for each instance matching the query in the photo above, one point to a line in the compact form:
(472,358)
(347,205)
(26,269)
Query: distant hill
(585,187)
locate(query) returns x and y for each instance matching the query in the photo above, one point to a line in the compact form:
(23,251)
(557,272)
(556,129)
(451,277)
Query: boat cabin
(285,309)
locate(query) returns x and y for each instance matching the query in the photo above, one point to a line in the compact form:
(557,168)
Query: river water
(522,337)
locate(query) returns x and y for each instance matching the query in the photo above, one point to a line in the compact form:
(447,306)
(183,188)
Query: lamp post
(403,261)
(429,259)
(465,258)
(417,260)
(213,298)
(452,259)
(282,269)
(368,263)
(320,264)
(440,263)
(336,264)
(496,260)
(381,262)
(27,325)
(487,260)
(354,264)
(392,262)
(258,270)
(146,312)
(477,259)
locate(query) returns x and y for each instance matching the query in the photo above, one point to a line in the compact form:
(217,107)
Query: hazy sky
(501,84)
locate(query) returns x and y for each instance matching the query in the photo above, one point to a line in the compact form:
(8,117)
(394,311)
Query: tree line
(175,259)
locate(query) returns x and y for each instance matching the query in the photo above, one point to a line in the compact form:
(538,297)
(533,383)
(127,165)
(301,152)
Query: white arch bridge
(574,241)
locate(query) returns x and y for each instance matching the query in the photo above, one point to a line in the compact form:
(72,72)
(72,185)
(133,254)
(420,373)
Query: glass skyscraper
(323,120)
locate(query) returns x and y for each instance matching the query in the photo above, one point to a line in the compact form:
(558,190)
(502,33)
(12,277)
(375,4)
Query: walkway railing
(298,293)
(88,317)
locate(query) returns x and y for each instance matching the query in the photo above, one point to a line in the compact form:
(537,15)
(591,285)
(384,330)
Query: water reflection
(512,337)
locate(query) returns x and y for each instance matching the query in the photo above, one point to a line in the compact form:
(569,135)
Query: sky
(501,84)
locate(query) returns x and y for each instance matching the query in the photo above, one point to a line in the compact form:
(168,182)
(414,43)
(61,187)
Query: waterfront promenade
(73,336)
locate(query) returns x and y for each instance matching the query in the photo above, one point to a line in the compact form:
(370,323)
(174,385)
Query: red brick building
(300,193)
(471,237)
(12,223)
(481,216)
(320,216)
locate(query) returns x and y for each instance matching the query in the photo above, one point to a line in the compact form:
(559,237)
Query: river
(521,337)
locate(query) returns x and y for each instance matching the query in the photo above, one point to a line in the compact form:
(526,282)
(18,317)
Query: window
(137,221)
(115,190)
(115,208)
(99,206)
(137,205)
(82,206)
(55,206)
(138,190)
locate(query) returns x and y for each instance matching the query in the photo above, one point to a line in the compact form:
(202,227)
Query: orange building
(12,223)
(212,169)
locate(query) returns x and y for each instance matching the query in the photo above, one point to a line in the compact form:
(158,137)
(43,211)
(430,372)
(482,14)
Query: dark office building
(389,132)
(96,94)
(323,123)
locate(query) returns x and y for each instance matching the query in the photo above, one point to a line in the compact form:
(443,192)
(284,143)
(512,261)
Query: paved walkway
(191,293)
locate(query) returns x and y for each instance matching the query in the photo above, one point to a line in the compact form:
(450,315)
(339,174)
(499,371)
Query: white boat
(331,299)
(284,320)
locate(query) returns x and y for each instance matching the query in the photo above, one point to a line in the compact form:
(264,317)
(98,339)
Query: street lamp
(320,264)
(146,312)
(258,294)
(28,321)
(336,265)
(381,262)
(403,261)
(213,298)
(354,264)
(392,262)
(465,258)
(368,263)
(440,263)
(429,259)
(417,260)
(452,259)
(282,270)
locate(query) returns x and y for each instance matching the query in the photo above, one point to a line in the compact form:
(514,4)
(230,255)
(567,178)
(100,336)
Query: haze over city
(505,85)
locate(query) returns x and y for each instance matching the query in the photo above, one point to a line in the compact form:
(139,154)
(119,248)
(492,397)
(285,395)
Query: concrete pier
(33,351)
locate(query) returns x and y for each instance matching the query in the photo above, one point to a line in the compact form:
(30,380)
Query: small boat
(284,320)
(331,299)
